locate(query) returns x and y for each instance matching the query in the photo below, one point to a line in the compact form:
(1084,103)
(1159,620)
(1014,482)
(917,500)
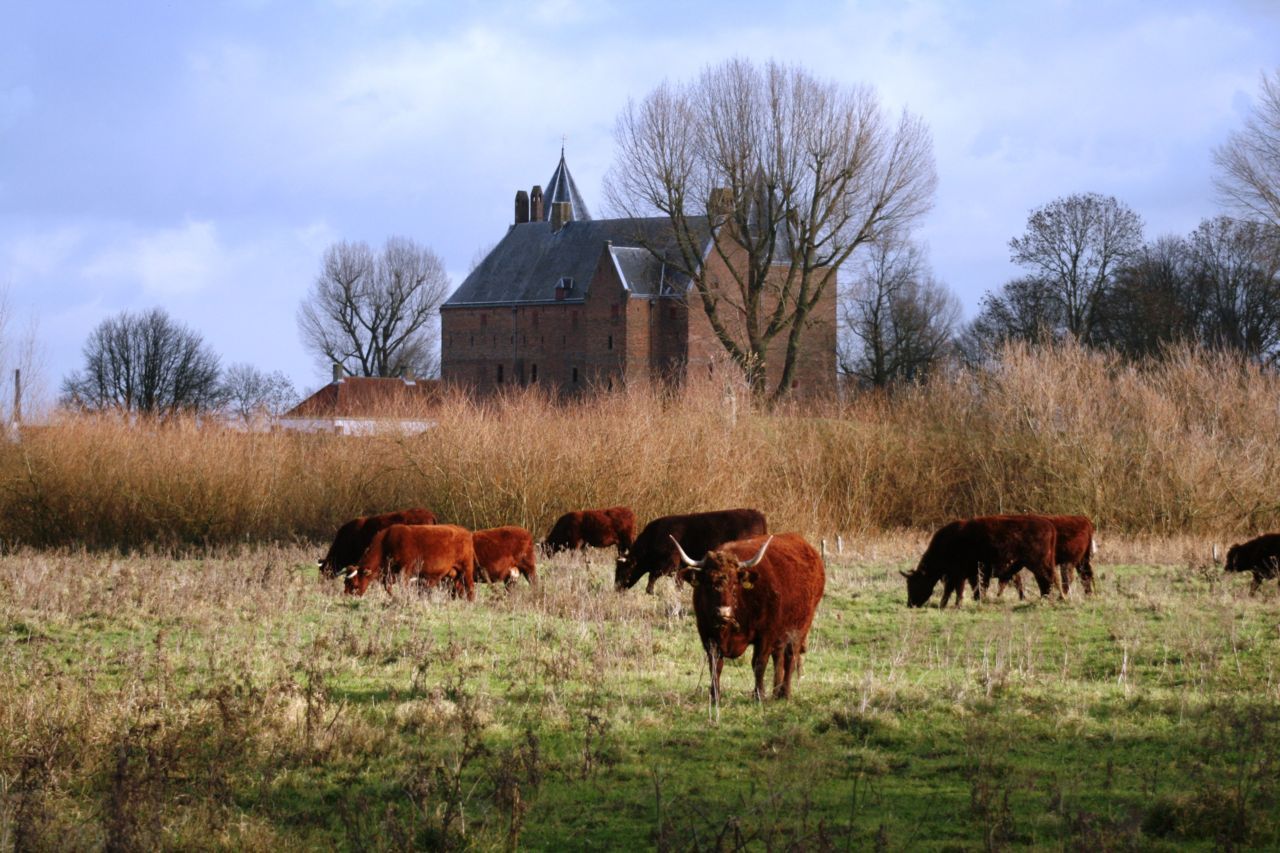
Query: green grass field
(238,701)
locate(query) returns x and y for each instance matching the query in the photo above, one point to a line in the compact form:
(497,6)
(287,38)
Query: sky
(201,157)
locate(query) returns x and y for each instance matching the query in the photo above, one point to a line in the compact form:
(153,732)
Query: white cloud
(38,254)
(168,261)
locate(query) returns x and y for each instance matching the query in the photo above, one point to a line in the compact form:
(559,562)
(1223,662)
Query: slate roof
(368,396)
(531,260)
(561,187)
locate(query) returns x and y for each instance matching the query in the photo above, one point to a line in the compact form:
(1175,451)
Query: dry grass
(1185,446)
(236,701)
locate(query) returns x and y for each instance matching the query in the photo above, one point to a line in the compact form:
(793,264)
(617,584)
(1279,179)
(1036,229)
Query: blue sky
(201,156)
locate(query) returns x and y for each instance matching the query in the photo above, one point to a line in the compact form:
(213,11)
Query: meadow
(175,675)
(240,701)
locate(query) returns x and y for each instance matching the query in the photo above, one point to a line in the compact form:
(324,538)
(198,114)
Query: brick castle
(576,304)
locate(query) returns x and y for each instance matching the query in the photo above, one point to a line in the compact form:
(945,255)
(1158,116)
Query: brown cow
(503,554)
(760,592)
(597,528)
(354,537)
(1259,556)
(698,532)
(428,553)
(966,550)
(1074,553)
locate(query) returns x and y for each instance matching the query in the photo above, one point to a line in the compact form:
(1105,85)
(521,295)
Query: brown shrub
(1183,445)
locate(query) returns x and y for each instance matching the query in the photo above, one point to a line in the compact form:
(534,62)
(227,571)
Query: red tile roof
(369,397)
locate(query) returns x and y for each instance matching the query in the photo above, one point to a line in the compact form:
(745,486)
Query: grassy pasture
(238,701)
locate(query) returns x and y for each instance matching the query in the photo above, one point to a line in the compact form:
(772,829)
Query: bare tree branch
(376,314)
(1249,162)
(145,363)
(782,177)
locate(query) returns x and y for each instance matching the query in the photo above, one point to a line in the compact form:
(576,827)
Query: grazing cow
(597,528)
(354,537)
(654,554)
(427,553)
(1260,556)
(503,554)
(760,592)
(1074,553)
(997,545)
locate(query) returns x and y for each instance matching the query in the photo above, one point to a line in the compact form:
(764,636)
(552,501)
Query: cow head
(919,587)
(1233,559)
(719,579)
(357,580)
(625,573)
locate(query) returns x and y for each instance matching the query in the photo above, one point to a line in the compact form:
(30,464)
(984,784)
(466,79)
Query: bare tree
(781,177)
(1073,245)
(376,315)
(145,363)
(898,319)
(1022,310)
(250,393)
(1235,270)
(1151,302)
(1249,162)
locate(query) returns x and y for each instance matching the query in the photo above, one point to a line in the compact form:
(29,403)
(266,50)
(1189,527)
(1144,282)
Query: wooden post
(17,397)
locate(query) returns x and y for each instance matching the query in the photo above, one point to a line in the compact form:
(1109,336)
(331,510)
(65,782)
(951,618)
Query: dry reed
(1185,445)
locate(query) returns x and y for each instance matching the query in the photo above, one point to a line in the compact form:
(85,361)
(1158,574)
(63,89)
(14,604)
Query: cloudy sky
(201,156)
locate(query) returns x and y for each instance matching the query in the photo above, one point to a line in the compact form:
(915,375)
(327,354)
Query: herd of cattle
(749,588)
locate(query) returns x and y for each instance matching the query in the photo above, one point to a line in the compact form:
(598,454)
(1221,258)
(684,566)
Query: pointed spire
(562,187)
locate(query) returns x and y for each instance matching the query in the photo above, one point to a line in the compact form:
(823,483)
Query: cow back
(1260,554)
(355,536)
(653,551)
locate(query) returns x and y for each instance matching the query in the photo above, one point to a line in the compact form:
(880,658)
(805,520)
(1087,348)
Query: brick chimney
(522,207)
(535,205)
(721,201)
(560,214)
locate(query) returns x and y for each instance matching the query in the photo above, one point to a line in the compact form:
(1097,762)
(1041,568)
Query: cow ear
(689,576)
(749,578)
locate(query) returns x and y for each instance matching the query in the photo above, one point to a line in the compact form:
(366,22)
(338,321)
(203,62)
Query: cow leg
(947,587)
(791,660)
(782,663)
(652,580)
(1068,574)
(760,660)
(1017,584)
(1257,583)
(715,663)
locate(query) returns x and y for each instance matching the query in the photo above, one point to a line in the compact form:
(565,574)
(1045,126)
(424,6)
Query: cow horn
(693,564)
(320,562)
(758,557)
(904,574)
(353,573)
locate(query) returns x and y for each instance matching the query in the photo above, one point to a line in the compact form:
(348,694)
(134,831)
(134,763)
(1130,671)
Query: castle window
(533,373)
(575,376)
(611,342)
(499,374)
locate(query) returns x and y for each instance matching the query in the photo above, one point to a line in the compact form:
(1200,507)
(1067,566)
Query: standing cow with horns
(759,592)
